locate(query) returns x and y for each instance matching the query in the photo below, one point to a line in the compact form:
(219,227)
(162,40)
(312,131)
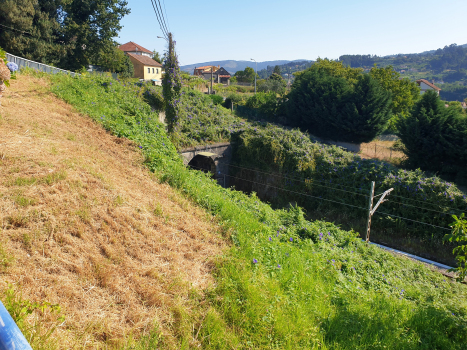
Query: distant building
(131,47)
(219,74)
(144,66)
(464,105)
(425,85)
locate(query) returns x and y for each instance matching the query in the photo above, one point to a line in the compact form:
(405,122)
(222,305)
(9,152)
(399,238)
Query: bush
(216,99)
(333,108)
(233,98)
(435,137)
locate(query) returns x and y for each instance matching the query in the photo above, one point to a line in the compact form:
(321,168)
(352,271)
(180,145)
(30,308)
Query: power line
(162,15)
(163,1)
(156,11)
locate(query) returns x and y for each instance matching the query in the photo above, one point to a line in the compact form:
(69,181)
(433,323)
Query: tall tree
(328,105)
(404,92)
(277,70)
(32,29)
(69,34)
(156,56)
(435,137)
(246,76)
(90,26)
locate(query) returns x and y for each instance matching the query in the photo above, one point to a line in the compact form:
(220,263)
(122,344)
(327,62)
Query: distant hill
(233,66)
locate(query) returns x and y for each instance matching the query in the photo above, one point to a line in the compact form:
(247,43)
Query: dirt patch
(382,150)
(90,228)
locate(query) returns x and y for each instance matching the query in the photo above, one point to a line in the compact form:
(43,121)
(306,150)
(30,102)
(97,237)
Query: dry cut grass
(84,225)
(381,150)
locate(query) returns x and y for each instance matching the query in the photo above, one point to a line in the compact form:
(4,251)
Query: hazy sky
(275,30)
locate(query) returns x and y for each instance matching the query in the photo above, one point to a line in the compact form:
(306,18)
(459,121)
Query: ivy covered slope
(275,149)
(332,173)
(286,283)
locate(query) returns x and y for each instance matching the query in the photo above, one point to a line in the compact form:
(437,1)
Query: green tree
(90,26)
(116,61)
(156,56)
(404,92)
(32,30)
(69,34)
(328,104)
(246,76)
(434,137)
(277,70)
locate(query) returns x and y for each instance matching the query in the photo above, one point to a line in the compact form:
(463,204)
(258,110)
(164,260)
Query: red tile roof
(132,47)
(428,83)
(147,61)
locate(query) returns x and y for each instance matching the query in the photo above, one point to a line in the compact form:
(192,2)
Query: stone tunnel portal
(203,162)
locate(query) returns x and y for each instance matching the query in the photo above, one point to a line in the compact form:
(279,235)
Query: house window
(153,71)
(157,70)
(149,70)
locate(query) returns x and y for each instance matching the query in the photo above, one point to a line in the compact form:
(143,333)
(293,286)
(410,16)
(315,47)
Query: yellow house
(146,68)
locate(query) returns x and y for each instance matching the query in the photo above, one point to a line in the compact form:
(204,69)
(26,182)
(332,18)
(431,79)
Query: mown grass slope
(84,225)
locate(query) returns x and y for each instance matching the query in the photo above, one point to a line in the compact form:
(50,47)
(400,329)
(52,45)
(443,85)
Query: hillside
(86,226)
(285,282)
(233,66)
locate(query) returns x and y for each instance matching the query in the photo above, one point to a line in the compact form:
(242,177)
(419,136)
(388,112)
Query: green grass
(286,283)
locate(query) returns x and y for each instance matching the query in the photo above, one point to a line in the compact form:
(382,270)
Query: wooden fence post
(370,208)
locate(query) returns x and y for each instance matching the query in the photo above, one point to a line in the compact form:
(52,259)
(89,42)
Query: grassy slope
(287,283)
(90,229)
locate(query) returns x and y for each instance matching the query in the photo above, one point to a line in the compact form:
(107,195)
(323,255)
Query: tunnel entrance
(203,161)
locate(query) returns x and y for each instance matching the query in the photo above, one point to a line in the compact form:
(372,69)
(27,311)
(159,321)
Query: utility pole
(256,68)
(212,68)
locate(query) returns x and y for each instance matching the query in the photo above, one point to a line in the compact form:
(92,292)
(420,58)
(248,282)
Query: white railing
(22,62)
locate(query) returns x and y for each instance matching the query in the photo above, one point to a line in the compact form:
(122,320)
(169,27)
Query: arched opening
(203,163)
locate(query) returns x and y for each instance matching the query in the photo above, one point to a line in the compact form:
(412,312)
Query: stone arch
(204,163)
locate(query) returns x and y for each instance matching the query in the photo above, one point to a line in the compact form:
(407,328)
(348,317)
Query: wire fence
(376,150)
(332,195)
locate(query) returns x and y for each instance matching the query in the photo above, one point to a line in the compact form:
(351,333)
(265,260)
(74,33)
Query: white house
(425,85)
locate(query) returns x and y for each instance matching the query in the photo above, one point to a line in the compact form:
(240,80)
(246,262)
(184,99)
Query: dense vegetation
(67,34)
(447,66)
(331,107)
(274,149)
(287,282)
(435,137)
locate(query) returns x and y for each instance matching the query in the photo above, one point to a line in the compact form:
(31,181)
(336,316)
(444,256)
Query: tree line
(66,34)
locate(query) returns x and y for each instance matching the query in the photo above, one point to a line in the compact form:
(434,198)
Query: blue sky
(275,30)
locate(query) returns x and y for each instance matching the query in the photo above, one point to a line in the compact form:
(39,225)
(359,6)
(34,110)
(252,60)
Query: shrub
(216,99)
(459,234)
(234,98)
